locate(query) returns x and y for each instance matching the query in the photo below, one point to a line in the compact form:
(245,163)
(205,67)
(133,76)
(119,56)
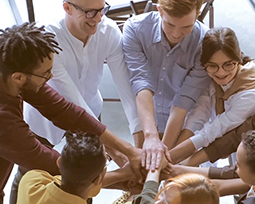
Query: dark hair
(22,46)
(223,39)
(249,146)
(178,9)
(82,158)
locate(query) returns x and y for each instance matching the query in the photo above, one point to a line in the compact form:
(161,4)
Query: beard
(31,86)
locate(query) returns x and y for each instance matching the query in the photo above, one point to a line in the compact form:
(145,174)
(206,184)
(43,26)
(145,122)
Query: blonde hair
(193,188)
(178,9)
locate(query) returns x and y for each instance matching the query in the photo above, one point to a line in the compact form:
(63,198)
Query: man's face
(176,29)
(243,170)
(79,23)
(39,76)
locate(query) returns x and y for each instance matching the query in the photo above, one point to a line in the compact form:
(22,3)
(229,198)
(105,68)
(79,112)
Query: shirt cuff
(197,141)
(184,102)
(135,126)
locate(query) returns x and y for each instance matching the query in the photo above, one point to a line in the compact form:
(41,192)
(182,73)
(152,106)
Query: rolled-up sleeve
(138,65)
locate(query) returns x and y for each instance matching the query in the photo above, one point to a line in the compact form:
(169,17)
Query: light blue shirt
(174,75)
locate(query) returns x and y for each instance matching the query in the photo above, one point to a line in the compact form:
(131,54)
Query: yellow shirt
(37,187)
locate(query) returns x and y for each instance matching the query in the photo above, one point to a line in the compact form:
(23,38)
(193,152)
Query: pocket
(178,75)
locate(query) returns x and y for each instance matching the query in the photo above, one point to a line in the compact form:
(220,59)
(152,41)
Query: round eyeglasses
(89,14)
(227,66)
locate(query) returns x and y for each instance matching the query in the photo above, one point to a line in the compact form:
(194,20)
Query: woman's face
(218,61)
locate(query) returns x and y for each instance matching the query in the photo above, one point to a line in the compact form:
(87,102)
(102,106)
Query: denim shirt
(174,75)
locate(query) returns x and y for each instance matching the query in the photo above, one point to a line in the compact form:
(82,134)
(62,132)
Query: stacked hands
(142,161)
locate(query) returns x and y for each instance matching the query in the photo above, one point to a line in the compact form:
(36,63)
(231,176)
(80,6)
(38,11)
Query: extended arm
(174,126)
(153,148)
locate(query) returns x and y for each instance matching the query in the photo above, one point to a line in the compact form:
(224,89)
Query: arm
(64,84)
(174,126)
(182,151)
(196,159)
(153,148)
(19,145)
(238,108)
(231,186)
(151,185)
(126,173)
(143,87)
(120,75)
(224,146)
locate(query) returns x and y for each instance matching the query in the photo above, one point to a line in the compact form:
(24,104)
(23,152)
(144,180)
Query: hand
(153,149)
(134,157)
(129,172)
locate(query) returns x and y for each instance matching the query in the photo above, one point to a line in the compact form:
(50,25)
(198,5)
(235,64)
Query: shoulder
(36,177)
(107,26)
(199,31)
(56,27)
(145,19)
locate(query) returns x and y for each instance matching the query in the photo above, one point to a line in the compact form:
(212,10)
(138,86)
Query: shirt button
(167,55)
(159,93)
(158,104)
(161,79)
(164,68)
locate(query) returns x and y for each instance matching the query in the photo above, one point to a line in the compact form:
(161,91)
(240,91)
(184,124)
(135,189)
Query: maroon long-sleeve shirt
(18,143)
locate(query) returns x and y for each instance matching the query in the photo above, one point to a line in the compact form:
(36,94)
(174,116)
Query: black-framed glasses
(227,66)
(47,78)
(89,14)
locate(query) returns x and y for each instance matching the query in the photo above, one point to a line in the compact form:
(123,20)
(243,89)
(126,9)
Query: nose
(98,17)
(176,33)
(221,70)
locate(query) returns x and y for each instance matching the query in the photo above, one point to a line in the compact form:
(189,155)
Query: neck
(81,192)
(8,87)
(80,36)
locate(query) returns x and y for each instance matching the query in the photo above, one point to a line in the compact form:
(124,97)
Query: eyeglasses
(89,14)
(49,75)
(227,66)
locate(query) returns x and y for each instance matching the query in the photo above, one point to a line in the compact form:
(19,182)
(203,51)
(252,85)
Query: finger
(168,169)
(139,176)
(148,160)
(168,157)
(159,156)
(143,158)
(153,162)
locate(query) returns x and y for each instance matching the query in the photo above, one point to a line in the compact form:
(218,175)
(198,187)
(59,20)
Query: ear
(19,78)
(160,10)
(100,178)
(67,7)
(58,162)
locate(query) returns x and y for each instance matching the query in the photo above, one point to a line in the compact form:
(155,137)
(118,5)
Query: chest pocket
(177,76)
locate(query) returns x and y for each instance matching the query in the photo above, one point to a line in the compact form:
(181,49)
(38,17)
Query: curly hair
(82,158)
(22,47)
(249,146)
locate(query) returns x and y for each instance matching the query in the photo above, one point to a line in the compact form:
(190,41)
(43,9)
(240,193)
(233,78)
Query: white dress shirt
(202,119)
(78,72)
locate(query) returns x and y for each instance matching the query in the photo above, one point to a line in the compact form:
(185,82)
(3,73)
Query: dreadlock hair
(82,159)
(249,146)
(22,47)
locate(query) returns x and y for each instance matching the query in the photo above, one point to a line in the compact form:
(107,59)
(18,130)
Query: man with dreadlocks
(26,58)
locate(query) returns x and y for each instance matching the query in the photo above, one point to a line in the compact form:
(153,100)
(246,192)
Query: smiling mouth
(92,26)
(221,77)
